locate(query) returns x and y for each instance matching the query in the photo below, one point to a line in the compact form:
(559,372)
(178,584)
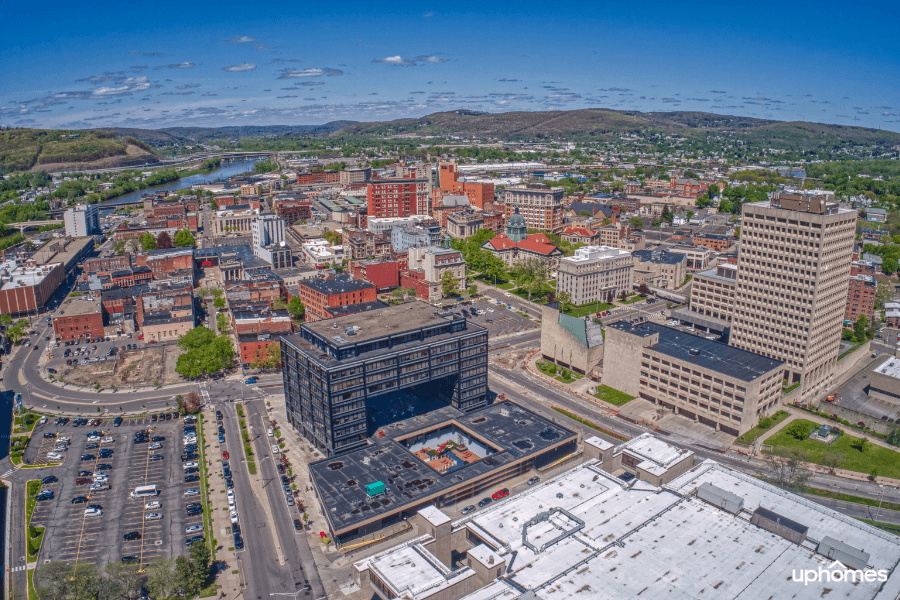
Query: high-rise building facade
(342,375)
(791,287)
(82,220)
(398,197)
(539,205)
(268,241)
(595,272)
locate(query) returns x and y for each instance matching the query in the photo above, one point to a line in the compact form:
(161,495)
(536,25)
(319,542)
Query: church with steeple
(517,244)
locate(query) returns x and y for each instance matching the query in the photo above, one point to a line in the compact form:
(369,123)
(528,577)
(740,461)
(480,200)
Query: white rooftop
(890,367)
(588,254)
(599,443)
(434,516)
(14,274)
(587,534)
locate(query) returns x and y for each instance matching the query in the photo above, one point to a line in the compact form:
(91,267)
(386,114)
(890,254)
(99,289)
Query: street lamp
(878,512)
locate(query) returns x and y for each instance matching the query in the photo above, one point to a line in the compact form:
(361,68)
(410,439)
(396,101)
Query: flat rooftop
(890,367)
(341,481)
(339,284)
(586,534)
(14,275)
(73,307)
(706,354)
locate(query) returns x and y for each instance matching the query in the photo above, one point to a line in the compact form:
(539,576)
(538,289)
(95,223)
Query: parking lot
(72,536)
(503,320)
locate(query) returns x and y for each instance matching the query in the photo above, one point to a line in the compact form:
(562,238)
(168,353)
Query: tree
(449,284)
(473,290)
(713,190)
(52,580)
(219,302)
(148,242)
(636,223)
(890,265)
(610,297)
(860,329)
(606,221)
(690,215)
(798,430)
(296,309)
(332,237)
(184,239)
(164,241)
(6,320)
(494,267)
(182,579)
(861,444)
(280,303)
(565,301)
(205,353)
(643,290)
(200,562)
(832,460)
(788,471)
(192,403)
(15,333)
(159,578)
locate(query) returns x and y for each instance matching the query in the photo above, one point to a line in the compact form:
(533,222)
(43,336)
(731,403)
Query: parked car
(92,512)
(154,516)
(134,535)
(484,502)
(467,509)
(49,479)
(502,493)
(533,480)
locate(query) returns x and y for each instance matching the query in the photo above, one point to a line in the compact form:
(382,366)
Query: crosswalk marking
(7,473)
(22,568)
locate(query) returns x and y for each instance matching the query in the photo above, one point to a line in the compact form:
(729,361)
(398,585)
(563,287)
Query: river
(227,169)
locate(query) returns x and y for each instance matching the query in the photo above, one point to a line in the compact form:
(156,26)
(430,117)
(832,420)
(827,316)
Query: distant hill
(193,135)
(54,150)
(587,124)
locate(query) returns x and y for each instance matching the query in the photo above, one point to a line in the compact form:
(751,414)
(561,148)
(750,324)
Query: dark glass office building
(346,377)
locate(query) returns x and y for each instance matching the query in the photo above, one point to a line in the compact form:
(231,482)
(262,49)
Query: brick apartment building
(384,274)
(327,297)
(398,197)
(163,262)
(292,209)
(78,318)
(318,177)
(860,299)
(479,194)
(361,243)
(105,264)
(716,243)
(539,205)
(263,289)
(257,329)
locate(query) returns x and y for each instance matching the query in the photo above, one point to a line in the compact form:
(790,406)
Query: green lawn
(588,309)
(506,286)
(572,377)
(895,529)
(31,592)
(547,368)
(612,395)
(849,498)
(886,462)
(754,434)
(31,490)
(536,296)
(631,300)
(34,543)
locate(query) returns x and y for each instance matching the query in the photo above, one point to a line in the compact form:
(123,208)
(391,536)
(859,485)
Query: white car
(193,529)
(93,438)
(270,432)
(60,449)
(92,512)
(190,440)
(64,438)
(191,492)
(99,487)
(230,493)
(152,505)
(54,456)
(107,440)
(234,517)
(507,294)
(275,449)
(490,310)
(189,465)
(155,446)
(231,504)
(154,516)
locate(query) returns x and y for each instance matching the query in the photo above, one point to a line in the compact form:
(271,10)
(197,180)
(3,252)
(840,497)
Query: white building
(268,241)
(380,225)
(593,272)
(404,237)
(319,253)
(82,220)
(711,532)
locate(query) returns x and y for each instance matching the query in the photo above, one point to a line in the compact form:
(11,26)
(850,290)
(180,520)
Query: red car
(500,494)
(225,455)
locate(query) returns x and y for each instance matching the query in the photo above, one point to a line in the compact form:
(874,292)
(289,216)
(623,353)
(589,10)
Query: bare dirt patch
(510,360)
(154,365)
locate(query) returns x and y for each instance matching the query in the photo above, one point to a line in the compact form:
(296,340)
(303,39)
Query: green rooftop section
(353,200)
(575,326)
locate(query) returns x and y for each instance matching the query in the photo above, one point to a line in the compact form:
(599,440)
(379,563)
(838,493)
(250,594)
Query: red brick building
(690,188)
(398,197)
(326,297)
(258,329)
(383,274)
(26,287)
(162,262)
(479,194)
(860,299)
(717,243)
(293,210)
(319,177)
(78,318)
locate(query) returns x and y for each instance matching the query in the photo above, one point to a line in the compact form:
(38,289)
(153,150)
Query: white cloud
(397,61)
(300,73)
(240,39)
(239,68)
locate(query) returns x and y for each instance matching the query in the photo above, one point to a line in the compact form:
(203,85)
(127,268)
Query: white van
(144,491)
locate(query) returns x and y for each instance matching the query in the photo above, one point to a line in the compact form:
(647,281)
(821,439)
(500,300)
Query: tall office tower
(82,220)
(792,278)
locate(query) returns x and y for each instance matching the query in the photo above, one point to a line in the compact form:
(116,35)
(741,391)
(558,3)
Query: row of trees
(205,353)
(183,239)
(182,576)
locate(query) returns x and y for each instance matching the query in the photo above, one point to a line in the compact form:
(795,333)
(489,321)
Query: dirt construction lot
(146,366)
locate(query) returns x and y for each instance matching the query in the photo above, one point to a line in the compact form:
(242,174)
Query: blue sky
(195,63)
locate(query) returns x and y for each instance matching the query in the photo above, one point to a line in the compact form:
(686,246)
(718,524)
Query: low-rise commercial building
(594,273)
(586,533)
(25,287)
(659,268)
(321,253)
(709,382)
(571,342)
(78,318)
